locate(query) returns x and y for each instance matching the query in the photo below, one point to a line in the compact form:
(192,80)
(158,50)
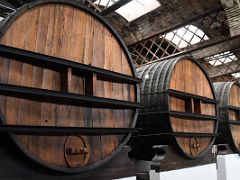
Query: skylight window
(236,75)
(215,63)
(137,8)
(222,58)
(186,36)
(164,45)
(105,3)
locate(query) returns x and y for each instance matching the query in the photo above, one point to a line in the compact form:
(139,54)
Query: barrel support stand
(154,171)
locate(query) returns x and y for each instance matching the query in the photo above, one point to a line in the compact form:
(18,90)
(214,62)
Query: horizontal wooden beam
(214,47)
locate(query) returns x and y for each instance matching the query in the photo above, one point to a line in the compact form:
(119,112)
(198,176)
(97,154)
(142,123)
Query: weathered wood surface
(65,31)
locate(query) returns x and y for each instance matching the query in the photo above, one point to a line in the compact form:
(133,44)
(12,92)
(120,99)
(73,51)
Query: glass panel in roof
(236,75)
(227,60)
(233,57)
(215,62)
(181,32)
(169,36)
(222,58)
(105,3)
(195,40)
(205,37)
(137,8)
(182,44)
(200,33)
(212,62)
(176,40)
(193,28)
(188,35)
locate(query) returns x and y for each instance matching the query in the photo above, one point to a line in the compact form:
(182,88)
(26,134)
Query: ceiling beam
(214,47)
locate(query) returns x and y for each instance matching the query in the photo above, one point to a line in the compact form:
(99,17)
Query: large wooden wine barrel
(68,87)
(179,108)
(228,95)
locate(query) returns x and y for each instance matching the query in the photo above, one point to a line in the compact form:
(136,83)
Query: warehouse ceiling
(155,30)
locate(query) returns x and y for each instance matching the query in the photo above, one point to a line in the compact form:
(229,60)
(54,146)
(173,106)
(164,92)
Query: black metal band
(192,116)
(184,95)
(64,131)
(50,96)
(234,108)
(234,122)
(180,134)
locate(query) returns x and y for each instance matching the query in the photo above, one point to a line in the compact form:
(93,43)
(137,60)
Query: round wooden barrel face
(65,31)
(233,100)
(189,78)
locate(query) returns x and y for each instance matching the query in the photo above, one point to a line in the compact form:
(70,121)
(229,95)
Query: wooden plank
(4,71)
(62,17)
(14,77)
(39,35)
(126,93)
(119,91)
(48,113)
(24,111)
(78,35)
(108,90)
(98,61)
